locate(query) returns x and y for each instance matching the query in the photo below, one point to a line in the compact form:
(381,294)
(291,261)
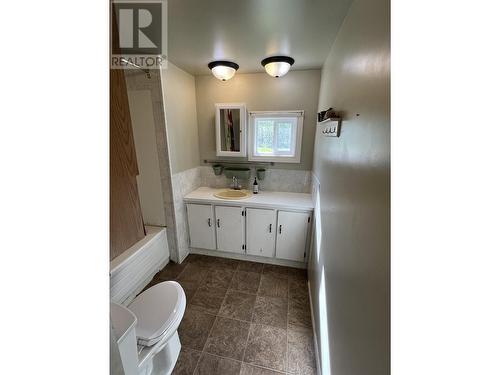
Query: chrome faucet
(235,184)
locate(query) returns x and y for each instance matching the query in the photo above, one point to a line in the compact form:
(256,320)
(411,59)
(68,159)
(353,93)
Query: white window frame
(252,115)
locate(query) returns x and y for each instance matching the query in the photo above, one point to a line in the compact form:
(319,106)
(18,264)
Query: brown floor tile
(194,328)
(250,267)
(271,311)
(277,270)
(300,351)
(228,338)
(245,282)
(299,315)
(298,291)
(247,369)
(212,365)
(266,347)
(189,288)
(219,278)
(200,260)
(208,299)
(297,273)
(238,305)
(187,361)
(273,286)
(225,263)
(193,273)
(171,271)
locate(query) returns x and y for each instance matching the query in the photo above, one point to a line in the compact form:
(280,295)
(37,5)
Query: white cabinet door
(292,235)
(230,229)
(201,226)
(261,232)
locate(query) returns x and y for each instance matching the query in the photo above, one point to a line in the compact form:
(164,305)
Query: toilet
(146,330)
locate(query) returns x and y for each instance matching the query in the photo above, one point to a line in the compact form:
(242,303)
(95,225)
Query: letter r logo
(139,27)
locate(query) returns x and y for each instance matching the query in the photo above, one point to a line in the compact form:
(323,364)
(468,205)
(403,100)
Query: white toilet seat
(159,311)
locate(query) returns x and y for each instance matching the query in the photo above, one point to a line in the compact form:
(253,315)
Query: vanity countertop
(265,199)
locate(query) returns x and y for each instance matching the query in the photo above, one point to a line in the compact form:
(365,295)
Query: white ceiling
(246,31)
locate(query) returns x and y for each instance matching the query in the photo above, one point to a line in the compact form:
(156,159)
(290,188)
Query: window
(275,136)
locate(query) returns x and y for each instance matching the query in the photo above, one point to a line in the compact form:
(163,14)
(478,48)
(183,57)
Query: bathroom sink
(233,194)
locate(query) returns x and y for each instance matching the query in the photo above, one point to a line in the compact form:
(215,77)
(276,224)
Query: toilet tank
(123,322)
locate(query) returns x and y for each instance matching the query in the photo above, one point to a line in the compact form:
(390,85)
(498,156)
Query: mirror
(230,129)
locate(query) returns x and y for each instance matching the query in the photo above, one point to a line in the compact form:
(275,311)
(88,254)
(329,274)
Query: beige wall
(180,105)
(260,92)
(351,251)
(149,179)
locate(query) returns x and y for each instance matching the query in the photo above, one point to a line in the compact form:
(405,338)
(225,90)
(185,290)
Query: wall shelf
(238,162)
(330,119)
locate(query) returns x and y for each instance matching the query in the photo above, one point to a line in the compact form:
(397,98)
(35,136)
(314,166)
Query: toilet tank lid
(156,308)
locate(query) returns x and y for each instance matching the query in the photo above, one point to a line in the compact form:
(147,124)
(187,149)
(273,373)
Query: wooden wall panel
(126,223)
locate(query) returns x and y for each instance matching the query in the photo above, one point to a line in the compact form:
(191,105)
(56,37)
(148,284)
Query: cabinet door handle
(218,223)
(280,229)
(209,222)
(270,228)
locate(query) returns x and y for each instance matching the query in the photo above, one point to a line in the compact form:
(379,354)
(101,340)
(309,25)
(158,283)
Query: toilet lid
(156,308)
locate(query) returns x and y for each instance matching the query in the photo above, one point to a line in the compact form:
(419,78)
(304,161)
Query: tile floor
(242,318)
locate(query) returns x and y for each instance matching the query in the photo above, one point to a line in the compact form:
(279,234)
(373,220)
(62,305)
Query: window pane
(284,135)
(264,136)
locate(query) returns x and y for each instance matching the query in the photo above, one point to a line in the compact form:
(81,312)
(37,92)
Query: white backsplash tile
(291,180)
(183,183)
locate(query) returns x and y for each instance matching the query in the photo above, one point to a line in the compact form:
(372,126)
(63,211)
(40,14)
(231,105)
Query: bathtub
(132,270)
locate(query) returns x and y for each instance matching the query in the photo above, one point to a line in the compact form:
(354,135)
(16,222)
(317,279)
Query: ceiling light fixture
(223,70)
(277,66)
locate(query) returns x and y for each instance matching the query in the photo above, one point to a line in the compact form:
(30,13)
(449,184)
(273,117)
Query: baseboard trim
(316,347)
(251,258)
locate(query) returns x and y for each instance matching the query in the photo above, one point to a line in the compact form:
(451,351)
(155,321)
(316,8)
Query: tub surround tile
(266,347)
(228,338)
(212,365)
(187,361)
(300,351)
(246,282)
(272,285)
(195,328)
(238,305)
(271,311)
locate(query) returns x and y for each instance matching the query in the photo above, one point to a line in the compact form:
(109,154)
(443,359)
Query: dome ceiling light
(277,66)
(223,70)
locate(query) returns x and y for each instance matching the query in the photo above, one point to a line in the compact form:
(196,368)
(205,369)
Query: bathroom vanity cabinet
(269,227)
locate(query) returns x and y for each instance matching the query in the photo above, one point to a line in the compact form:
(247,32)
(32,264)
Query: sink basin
(233,194)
